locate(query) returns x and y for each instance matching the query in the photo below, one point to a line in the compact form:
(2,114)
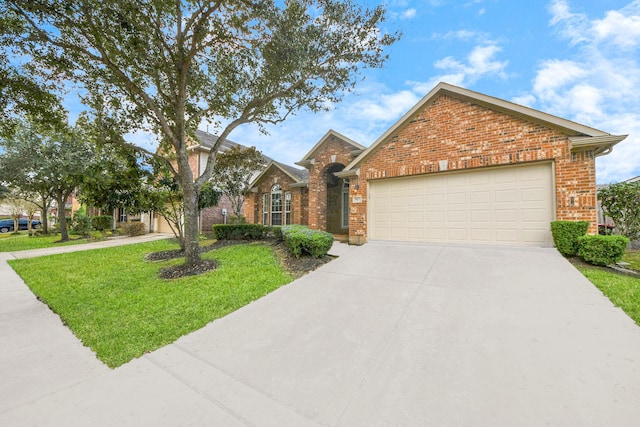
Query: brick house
(313,196)
(198,156)
(460,166)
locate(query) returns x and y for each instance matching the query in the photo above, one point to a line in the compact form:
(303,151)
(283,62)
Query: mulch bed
(297,267)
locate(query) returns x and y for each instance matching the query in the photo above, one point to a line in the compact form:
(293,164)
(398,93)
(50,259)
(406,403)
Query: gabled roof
(581,136)
(322,140)
(299,176)
(207,141)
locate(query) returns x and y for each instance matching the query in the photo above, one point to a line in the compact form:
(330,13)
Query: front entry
(337,201)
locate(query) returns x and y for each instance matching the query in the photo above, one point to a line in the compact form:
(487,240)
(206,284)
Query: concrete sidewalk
(39,354)
(387,334)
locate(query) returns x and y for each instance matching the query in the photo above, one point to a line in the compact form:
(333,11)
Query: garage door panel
(456,198)
(500,205)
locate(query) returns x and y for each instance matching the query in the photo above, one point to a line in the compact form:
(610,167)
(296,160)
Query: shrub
(134,228)
(301,240)
(565,235)
(239,231)
(96,235)
(240,219)
(276,232)
(81,225)
(602,250)
(102,222)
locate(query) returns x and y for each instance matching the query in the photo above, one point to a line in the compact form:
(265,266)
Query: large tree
(168,65)
(49,162)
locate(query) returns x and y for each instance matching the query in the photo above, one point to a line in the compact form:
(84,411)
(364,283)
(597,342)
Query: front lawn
(633,258)
(622,290)
(10,242)
(116,304)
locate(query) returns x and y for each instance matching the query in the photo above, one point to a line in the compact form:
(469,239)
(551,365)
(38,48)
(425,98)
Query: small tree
(233,172)
(621,202)
(16,210)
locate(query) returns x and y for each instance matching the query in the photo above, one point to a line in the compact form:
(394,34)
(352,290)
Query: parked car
(6,225)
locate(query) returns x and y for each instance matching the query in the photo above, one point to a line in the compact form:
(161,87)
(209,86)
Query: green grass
(20,242)
(114,301)
(623,291)
(633,258)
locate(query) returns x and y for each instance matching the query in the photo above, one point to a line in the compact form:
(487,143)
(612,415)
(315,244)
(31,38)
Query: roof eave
(488,101)
(600,145)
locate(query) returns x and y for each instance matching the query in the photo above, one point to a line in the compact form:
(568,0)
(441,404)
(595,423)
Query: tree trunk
(191,232)
(62,219)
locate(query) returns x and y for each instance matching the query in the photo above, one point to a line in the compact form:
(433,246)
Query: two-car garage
(504,205)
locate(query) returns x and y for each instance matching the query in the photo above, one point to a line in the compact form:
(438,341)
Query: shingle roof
(208,140)
(300,174)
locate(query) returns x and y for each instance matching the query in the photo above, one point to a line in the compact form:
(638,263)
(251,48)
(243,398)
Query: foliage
(81,224)
(602,250)
(96,235)
(621,203)
(117,305)
(622,290)
(118,177)
(102,222)
(605,229)
(301,240)
(49,162)
(233,172)
(239,231)
(208,196)
(168,66)
(565,235)
(134,228)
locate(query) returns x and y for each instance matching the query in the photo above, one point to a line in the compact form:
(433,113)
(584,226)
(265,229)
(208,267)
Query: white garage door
(510,205)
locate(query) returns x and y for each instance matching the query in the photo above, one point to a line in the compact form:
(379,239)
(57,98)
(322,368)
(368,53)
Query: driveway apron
(388,334)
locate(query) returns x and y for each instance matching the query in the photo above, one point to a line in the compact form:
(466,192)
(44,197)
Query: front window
(287,207)
(265,209)
(276,205)
(345,204)
(122,215)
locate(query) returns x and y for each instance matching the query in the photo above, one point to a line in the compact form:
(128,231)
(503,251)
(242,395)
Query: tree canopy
(167,66)
(233,172)
(48,162)
(621,203)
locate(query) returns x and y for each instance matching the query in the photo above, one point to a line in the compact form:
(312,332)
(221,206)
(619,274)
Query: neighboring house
(460,166)
(198,157)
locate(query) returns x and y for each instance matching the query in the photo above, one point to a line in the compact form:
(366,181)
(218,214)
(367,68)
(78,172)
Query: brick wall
(253,203)
(213,215)
(471,136)
(333,151)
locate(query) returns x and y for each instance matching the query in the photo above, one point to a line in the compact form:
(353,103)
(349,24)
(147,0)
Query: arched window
(276,205)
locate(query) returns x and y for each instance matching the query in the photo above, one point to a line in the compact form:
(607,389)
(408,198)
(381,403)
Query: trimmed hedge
(239,231)
(301,240)
(134,228)
(566,234)
(102,222)
(602,250)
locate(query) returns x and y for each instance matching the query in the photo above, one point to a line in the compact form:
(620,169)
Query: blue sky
(575,59)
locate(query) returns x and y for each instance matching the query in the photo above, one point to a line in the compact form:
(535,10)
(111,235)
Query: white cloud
(408,14)
(479,63)
(622,31)
(598,85)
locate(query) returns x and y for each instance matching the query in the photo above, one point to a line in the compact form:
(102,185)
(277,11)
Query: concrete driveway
(386,335)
